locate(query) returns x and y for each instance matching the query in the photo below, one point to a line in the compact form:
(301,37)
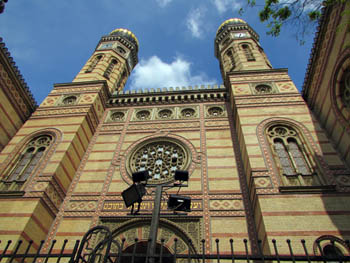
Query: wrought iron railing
(107,250)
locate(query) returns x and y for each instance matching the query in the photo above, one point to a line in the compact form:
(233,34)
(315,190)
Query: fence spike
(50,250)
(62,250)
(27,250)
(305,249)
(232,250)
(16,249)
(5,250)
(246,249)
(276,250)
(175,249)
(75,249)
(217,250)
(203,250)
(38,251)
(290,250)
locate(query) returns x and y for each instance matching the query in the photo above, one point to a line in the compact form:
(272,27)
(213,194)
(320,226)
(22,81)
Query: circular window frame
(194,115)
(171,115)
(187,151)
(65,98)
(149,117)
(116,112)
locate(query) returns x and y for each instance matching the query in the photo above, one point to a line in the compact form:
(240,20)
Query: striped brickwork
(16,101)
(98,72)
(72,127)
(331,57)
(214,184)
(278,214)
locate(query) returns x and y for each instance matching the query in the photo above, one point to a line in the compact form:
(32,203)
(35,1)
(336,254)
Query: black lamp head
(181,175)
(133,194)
(179,203)
(141,176)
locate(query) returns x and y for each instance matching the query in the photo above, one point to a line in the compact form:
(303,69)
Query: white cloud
(224,5)
(194,21)
(154,73)
(163,3)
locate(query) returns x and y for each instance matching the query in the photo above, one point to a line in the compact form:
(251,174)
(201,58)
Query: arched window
(294,162)
(231,58)
(26,163)
(110,68)
(248,52)
(93,63)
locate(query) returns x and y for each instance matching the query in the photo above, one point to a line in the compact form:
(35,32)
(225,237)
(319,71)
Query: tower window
(94,63)
(263,89)
(231,58)
(26,163)
(121,50)
(71,100)
(291,157)
(110,68)
(248,52)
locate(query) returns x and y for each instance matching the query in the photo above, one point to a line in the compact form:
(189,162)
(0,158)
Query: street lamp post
(135,192)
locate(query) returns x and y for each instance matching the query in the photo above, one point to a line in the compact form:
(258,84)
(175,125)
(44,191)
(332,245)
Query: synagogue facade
(265,162)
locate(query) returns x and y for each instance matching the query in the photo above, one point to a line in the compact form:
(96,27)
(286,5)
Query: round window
(215,111)
(117,116)
(165,114)
(70,100)
(187,113)
(143,115)
(161,157)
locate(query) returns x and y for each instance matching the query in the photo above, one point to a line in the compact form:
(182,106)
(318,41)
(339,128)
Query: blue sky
(51,40)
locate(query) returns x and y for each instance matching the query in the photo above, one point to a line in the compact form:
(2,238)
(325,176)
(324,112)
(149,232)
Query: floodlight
(140,176)
(181,175)
(179,203)
(133,194)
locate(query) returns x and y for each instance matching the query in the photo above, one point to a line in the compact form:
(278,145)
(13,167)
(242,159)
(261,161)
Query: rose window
(188,113)
(263,89)
(215,111)
(143,115)
(70,100)
(161,158)
(165,114)
(117,116)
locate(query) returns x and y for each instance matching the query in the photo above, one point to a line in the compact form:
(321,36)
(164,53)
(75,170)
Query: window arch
(110,68)
(294,161)
(94,63)
(231,59)
(26,162)
(248,52)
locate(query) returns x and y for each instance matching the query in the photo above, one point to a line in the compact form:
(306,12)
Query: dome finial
(231,21)
(127,34)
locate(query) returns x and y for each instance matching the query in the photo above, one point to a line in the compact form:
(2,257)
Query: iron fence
(107,250)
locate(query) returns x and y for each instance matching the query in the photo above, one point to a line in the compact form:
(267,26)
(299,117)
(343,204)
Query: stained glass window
(291,157)
(27,162)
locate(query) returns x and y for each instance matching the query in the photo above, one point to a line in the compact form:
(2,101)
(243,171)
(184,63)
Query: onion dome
(126,34)
(228,22)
